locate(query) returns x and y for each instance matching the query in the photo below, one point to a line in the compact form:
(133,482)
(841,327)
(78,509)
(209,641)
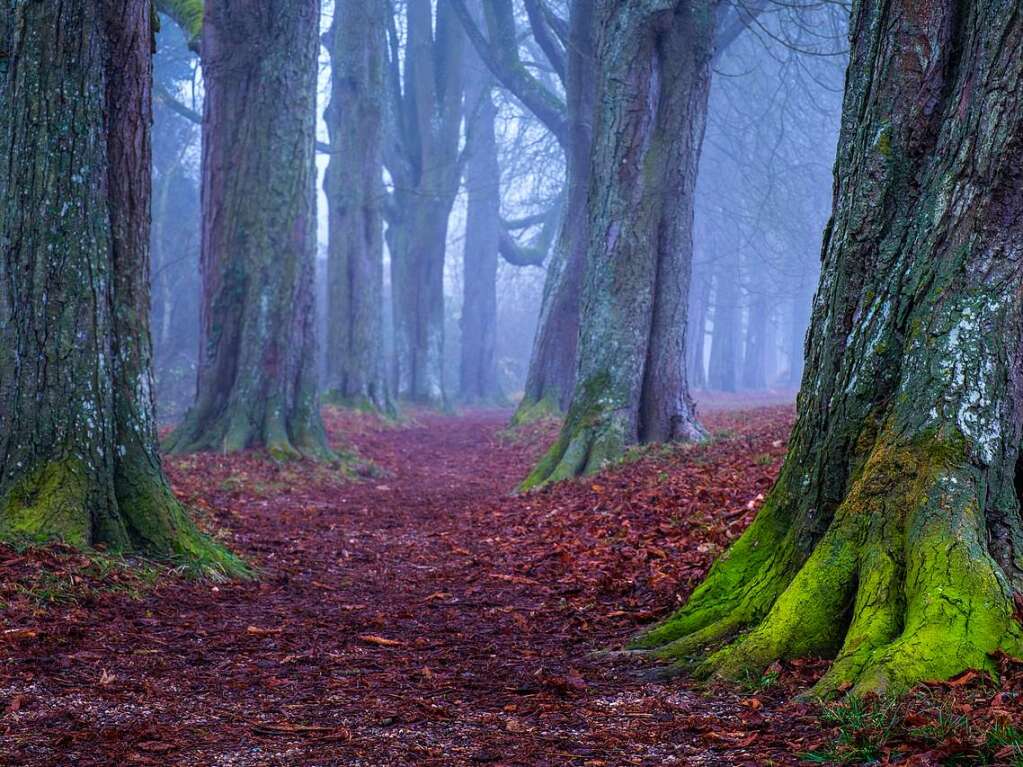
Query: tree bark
(257,382)
(355,193)
(478,374)
(653,85)
(78,454)
(892,540)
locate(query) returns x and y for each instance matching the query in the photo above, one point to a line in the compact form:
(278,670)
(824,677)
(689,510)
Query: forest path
(426,617)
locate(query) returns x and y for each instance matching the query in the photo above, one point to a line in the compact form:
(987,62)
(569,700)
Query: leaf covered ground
(418,613)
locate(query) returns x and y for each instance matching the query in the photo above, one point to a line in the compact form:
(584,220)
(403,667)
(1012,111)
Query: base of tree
(900,589)
(530,411)
(232,432)
(384,407)
(62,501)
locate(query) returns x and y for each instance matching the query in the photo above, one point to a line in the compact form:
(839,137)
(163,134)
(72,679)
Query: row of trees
(893,537)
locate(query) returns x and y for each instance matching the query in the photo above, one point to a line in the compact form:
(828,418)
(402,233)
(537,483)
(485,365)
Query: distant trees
(257,383)
(892,540)
(354,186)
(78,454)
(653,78)
(422,155)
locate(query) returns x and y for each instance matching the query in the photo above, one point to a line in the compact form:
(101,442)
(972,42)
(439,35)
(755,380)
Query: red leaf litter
(424,615)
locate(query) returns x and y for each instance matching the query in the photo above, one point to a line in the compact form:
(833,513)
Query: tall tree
(424,161)
(478,371)
(653,81)
(257,383)
(78,454)
(892,539)
(357,43)
(568,47)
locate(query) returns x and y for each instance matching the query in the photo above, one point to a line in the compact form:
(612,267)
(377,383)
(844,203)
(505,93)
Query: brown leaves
(380,641)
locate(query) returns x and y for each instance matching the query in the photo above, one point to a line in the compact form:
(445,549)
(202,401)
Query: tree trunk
(724,343)
(354,189)
(754,361)
(78,454)
(257,384)
(482,230)
(550,379)
(699,298)
(892,539)
(653,85)
(426,179)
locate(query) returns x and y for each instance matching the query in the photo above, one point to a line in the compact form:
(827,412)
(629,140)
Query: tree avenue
(892,540)
(78,453)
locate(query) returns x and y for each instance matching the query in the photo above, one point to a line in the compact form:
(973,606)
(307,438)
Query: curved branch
(502,59)
(550,46)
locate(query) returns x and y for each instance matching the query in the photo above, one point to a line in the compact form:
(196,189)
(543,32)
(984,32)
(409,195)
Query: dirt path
(425,617)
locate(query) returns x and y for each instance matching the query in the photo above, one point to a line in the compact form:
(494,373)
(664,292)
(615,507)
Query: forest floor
(424,615)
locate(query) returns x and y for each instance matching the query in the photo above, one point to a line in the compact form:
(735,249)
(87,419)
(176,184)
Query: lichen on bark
(892,540)
(78,455)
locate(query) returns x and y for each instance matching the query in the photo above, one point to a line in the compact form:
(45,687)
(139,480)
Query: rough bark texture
(426,172)
(653,85)
(892,540)
(257,383)
(355,194)
(78,455)
(478,372)
(550,379)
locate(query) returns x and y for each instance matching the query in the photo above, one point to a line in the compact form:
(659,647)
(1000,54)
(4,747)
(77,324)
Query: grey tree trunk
(699,300)
(892,540)
(426,173)
(754,360)
(722,370)
(78,453)
(653,85)
(478,373)
(355,198)
(257,383)
(551,377)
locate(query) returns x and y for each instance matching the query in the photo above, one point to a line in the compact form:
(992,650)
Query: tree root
(900,589)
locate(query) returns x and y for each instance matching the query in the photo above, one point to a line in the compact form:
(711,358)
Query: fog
(762,200)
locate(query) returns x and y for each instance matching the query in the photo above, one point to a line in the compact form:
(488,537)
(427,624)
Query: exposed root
(586,445)
(900,589)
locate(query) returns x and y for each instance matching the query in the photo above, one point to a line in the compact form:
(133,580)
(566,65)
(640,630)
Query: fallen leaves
(380,641)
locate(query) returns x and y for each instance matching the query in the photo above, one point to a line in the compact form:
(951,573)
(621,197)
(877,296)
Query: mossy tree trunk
(425,166)
(257,383)
(78,454)
(355,199)
(892,540)
(478,371)
(653,81)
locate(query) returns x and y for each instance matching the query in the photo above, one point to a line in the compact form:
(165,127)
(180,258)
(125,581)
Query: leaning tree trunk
(355,193)
(78,454)
(653,85)
(892,539)
(257,384)
(550,379)
(478,373)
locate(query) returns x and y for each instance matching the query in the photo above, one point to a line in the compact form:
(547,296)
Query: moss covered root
(531,411)
(136,513)
(900,589)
